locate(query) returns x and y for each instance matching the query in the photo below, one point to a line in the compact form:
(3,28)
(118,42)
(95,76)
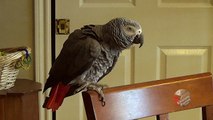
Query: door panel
(175,61)
(178,41)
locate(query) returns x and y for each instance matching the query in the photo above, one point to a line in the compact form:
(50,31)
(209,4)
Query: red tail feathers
(56,97)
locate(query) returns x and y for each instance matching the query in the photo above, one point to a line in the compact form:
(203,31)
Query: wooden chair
(155,98)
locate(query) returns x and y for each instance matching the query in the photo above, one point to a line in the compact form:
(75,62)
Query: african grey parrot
(88,55)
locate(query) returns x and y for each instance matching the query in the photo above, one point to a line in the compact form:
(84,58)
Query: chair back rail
(155,98)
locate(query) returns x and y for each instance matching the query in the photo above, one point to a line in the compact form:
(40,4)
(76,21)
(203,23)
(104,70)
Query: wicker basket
(8,61)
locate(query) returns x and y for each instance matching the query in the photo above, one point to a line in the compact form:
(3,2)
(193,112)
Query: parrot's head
(125,32)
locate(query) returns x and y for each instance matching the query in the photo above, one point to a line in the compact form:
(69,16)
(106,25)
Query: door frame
(42,38)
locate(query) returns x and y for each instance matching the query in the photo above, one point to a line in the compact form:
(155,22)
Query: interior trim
(42,27)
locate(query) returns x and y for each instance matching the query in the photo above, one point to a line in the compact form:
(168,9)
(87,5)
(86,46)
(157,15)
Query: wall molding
(42,27)
(162,3)
(109,3)
(164,52)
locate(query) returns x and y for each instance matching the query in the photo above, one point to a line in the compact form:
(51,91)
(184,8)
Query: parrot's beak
(139,40)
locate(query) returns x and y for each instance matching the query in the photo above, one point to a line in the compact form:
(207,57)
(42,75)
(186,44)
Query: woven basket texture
(8,71)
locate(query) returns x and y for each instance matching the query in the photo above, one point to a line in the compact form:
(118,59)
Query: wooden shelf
(21,101)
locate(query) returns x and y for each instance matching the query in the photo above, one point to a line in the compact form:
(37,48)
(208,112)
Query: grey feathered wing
(77,56)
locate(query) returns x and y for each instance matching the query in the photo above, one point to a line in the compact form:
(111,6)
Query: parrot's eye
(129,30)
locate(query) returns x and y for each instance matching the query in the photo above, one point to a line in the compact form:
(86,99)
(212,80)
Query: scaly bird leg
(99,89)
(82,87)
(92,86)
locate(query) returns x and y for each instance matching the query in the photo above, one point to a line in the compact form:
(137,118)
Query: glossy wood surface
(21,101)
(150,99)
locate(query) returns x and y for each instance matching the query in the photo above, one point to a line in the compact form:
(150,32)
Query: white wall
(17,27)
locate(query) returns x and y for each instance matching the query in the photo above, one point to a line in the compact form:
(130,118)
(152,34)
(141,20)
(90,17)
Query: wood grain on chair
(155,98)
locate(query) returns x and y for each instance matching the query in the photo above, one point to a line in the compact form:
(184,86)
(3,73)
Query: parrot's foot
(92,86)
(99,89)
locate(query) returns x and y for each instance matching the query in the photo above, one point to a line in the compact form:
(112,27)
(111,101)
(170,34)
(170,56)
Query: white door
(178,40)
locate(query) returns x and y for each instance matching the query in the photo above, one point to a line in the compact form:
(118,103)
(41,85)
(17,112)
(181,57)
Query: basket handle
(14,49)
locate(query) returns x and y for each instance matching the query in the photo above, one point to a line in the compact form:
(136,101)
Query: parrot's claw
(99,89)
